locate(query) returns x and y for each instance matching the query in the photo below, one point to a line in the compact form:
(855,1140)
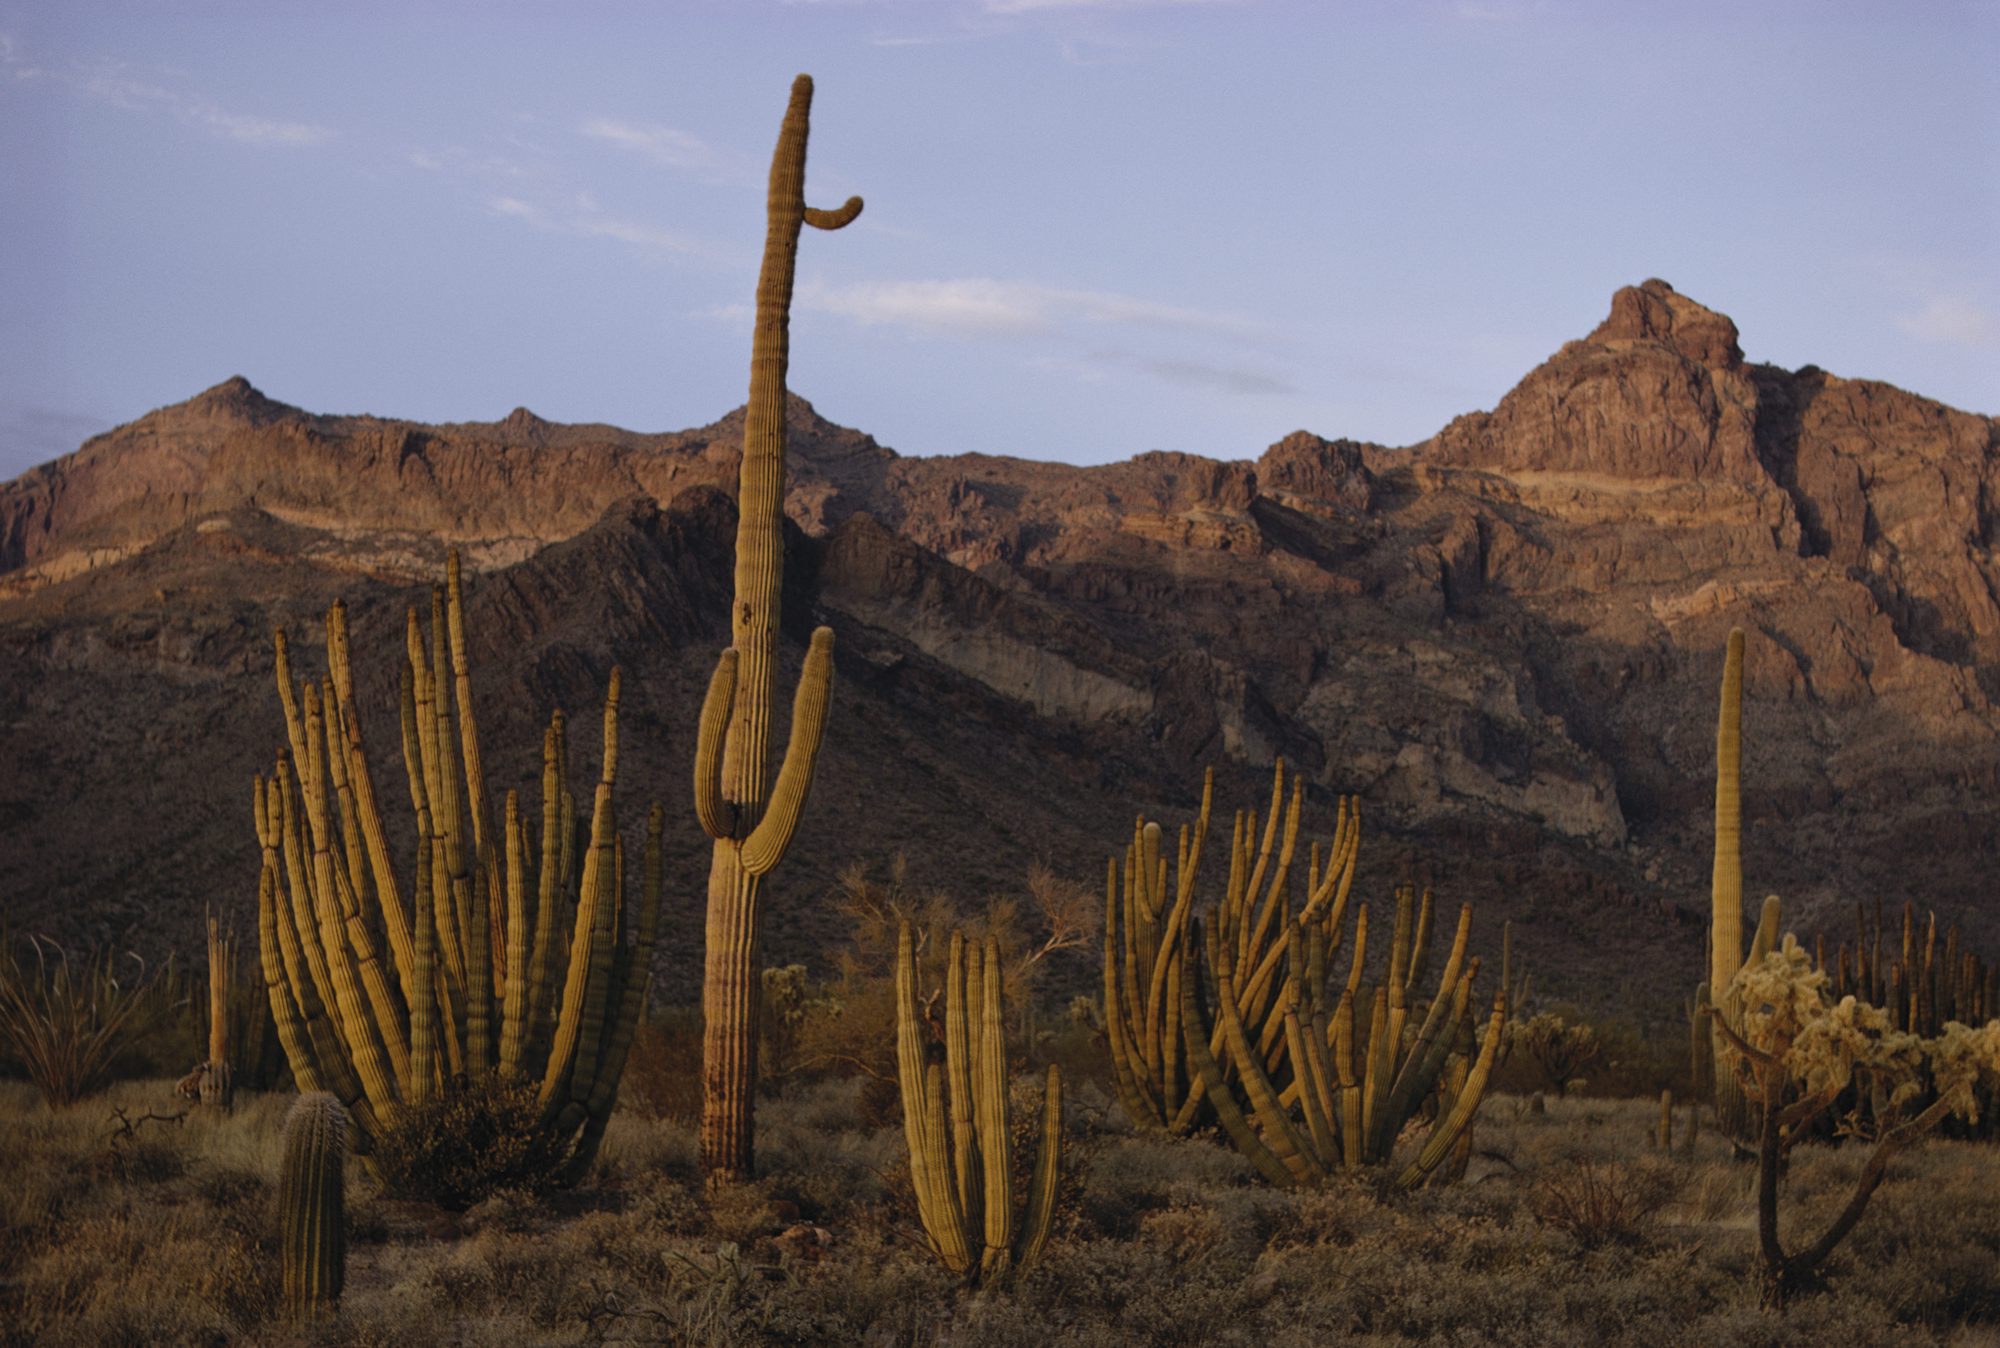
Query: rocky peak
(808,435)
(1654,311)
(1305,470)
(234,399)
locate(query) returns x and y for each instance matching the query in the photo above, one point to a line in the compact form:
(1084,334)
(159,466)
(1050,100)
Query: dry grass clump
(1164,1242)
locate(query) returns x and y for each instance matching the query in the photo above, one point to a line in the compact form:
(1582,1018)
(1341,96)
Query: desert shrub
(65,1021)
(1600,1203)
(472,1140)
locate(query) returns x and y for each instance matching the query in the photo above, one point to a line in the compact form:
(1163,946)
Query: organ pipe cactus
(1330,1092)
(955,1118)
(502,956)
(1146,960)
(311,1212)
(750,817)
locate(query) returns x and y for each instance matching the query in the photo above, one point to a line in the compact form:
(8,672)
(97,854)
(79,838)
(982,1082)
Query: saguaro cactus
(547,946)
(218,1078)
(311,1211)
(955,1118)
(751,819)
(1725,925)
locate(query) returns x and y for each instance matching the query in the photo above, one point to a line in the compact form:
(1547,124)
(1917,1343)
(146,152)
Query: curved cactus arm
(717,814)
(1196,1032)
(1445,1134)
(1042,1188)
(840,217)
(1279,1133)
(765,847)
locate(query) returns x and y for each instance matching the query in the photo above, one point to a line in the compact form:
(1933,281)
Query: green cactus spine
(311,1208)
(501,959)
(955,1119)
(751,819)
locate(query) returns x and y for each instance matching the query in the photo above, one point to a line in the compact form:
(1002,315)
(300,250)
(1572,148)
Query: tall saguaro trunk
(1725,928)
(751,817)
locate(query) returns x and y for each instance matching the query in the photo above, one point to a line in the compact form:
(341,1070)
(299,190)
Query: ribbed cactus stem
(1725,929)
(731,794)
(218,1079)
(312,1213)
(961,1161)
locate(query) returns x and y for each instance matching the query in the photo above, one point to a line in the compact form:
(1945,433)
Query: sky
(1093,227)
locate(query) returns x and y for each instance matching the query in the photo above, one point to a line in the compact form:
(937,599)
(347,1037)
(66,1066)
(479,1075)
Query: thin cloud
(1234,379)
(115,84)
(1040,6)
(585,220)
(1952,319)
(667,146)
(985,307)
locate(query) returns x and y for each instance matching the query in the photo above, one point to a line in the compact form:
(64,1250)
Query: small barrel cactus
(312,1211)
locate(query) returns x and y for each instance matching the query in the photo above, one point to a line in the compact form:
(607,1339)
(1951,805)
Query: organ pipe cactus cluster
(955,1118)
(1305,1078)
(311,1213)
(1922,982)
(1146,920)
(1325,1091)
(512,950)
(751,818)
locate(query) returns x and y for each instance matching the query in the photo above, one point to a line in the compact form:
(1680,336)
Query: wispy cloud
(1038,6)
(1953,319)
(985,307)
(664,145)
(122,86)
(583,218)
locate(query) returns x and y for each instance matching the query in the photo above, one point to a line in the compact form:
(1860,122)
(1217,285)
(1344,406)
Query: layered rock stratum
(1505,639)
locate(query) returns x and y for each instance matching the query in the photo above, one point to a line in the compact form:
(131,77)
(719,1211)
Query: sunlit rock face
(1506,638)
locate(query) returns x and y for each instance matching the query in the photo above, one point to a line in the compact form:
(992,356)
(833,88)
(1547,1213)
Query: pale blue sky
(1094,227)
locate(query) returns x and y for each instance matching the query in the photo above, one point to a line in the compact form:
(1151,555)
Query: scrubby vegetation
(1566,1230)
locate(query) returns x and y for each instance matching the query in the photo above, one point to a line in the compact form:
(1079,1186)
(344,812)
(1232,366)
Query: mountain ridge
(1505,637)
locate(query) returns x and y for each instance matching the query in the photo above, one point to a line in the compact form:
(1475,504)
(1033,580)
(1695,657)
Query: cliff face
(1506,638)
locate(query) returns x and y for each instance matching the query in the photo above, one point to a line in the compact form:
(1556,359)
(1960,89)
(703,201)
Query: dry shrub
(1601,1203)
(471,1141)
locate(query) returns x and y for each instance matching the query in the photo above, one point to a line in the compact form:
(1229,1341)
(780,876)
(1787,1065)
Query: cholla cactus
(1562,1052)
(1796,1053)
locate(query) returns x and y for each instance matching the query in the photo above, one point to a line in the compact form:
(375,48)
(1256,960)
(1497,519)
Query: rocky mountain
(1506,638)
